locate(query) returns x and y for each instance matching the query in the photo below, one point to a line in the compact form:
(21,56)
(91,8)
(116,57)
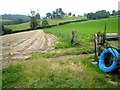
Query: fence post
(73,40)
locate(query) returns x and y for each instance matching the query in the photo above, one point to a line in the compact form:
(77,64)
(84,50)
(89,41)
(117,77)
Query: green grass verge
(63,52)
(55,73)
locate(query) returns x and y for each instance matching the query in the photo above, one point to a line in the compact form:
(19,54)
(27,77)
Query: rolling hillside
(50,21)
(16,27)
(88,27)
(67,66)
(5,20)
(15,17)
(83,29)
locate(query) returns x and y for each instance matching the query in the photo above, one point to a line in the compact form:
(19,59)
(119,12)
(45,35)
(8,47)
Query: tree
(91,16)
(69,14)
(73,15)
(98,15)
(38,15)
(58,13)
(107,15)
(61,12)
(5,31)
(19,21)
(85,15)
(34,19)
(114,13)
(45,22)
(2,31)
(54,14)
(118,12)
(48,15)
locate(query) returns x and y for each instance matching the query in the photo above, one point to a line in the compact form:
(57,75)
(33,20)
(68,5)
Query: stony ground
(20,45)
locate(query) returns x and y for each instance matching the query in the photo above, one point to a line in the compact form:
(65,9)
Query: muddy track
(21,44)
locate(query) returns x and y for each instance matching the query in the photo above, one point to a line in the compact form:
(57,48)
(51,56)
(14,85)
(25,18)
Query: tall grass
(55,73)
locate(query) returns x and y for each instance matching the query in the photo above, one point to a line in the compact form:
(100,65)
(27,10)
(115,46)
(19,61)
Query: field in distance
(24,26)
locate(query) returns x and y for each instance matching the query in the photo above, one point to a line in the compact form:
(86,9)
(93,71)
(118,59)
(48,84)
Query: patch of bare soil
(69,57)
(20,45)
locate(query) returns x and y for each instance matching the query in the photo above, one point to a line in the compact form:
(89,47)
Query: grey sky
(75,6)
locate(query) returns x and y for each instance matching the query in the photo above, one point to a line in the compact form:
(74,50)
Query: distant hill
(15,17)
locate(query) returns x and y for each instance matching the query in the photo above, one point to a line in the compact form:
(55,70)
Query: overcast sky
(75,6)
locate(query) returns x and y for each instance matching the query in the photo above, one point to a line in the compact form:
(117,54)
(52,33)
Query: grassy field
(84,30)
(89,27)
(68,66)
(4,20)
(16,27)
(61,72)
(64,19)
(50,21)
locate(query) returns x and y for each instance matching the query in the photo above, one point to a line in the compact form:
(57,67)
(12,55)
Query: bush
(5,31)
(45,23)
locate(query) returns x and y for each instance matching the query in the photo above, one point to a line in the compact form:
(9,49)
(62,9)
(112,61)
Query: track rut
(21,44)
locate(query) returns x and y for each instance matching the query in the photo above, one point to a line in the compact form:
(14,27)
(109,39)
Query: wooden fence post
(99,43)
(73,40)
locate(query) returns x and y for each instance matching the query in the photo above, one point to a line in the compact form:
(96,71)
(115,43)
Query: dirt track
(20,44)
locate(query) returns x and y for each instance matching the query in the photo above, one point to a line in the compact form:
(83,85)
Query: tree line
(36,21)
(101,14)
(58,13)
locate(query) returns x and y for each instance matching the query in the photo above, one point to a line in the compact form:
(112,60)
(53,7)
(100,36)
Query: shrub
(45,23)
